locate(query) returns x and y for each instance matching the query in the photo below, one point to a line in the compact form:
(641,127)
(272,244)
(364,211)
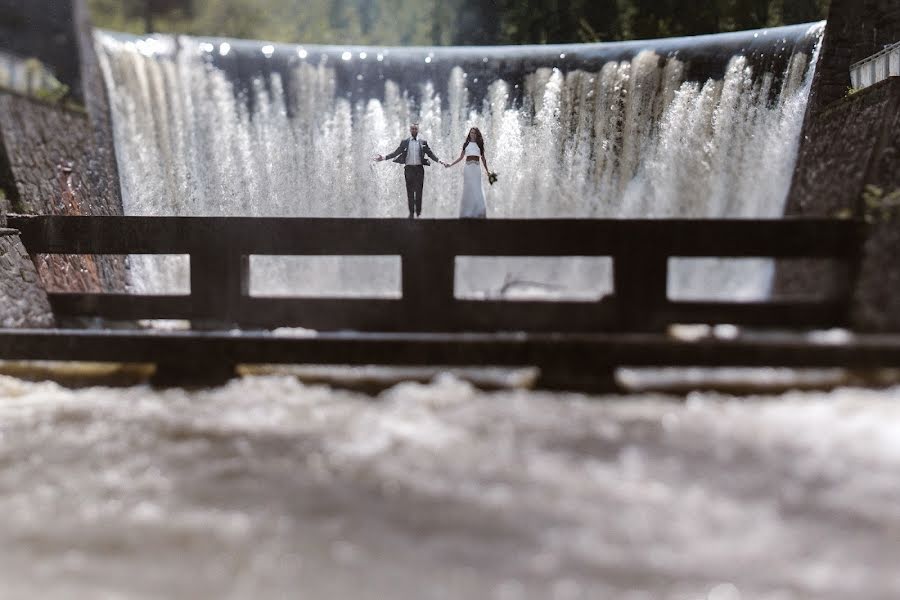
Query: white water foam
(266,488)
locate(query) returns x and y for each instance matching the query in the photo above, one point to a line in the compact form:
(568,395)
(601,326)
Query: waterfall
(229,127)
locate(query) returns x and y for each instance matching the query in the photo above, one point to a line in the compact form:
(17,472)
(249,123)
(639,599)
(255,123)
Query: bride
(472,204)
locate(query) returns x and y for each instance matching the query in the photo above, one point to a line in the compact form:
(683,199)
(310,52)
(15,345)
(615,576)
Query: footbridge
(576,344)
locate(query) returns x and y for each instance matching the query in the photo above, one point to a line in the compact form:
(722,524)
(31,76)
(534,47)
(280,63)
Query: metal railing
(877,67)
(219,249)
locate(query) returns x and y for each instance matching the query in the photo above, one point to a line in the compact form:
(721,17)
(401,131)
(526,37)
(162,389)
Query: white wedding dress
(472,204)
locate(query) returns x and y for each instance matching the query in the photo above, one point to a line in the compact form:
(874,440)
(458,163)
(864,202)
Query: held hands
(378,158)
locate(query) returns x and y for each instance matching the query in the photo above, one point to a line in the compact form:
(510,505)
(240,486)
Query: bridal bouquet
(492,178)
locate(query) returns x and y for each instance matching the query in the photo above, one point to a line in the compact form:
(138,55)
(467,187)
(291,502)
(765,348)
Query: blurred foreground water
(268,488)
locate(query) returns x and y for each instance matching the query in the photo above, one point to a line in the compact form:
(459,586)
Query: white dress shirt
(414,153)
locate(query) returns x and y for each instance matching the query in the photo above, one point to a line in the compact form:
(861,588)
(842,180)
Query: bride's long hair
(478,140)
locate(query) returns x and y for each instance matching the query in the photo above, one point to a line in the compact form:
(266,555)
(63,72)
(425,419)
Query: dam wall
(850,151)
(56,150)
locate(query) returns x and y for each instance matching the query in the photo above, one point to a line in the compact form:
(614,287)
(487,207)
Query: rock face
(850,141)
(23,302)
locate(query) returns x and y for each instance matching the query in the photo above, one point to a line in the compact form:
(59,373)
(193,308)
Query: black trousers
(415,180)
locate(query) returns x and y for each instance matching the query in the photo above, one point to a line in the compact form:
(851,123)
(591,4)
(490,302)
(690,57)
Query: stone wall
(23,302)
(46,166)
(103,172)
(849,141)
(25,28)
(59,158)
(838,128)
(849,144)
(47,155)
(876,302)
(856,29)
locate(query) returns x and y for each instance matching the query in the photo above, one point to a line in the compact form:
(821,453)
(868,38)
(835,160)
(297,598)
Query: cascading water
(697,127)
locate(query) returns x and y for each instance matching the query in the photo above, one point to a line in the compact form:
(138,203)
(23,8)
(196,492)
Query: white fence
(877,67)
(28,76)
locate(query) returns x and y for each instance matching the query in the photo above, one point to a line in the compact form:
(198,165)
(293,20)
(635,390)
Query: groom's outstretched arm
(395,153)
(431,154)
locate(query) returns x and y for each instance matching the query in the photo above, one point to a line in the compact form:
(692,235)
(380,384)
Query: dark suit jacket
(400,152)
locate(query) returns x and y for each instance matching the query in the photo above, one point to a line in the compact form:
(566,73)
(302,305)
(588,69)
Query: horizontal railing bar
(125,307)
(534,315)
(350,313)
(323,313)
(872,58)
(481,315)
(786,313)
(777,238)
(602,350)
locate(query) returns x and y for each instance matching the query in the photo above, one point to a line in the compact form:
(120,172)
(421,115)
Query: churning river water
(268,488)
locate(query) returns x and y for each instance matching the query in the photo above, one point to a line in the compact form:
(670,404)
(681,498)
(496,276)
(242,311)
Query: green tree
(749,14)
(438,22)
(477,23)
(801,11)
(599,21)
(693,17)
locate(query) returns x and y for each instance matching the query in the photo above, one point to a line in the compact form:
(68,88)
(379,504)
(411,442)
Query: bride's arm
(461,154)
(484,162)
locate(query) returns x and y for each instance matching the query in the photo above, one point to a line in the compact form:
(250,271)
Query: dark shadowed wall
(849,141)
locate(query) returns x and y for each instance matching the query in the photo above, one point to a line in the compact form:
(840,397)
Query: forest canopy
(444,22)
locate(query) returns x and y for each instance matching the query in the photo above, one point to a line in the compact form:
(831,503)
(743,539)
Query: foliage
(878,206)
(38,83)
(441,22)
(41,84)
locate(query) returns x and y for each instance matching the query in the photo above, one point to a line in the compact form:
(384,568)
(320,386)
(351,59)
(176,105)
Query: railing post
(219,283)
(641,280)
(428,289)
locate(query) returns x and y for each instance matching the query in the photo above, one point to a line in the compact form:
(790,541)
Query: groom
(411,152)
